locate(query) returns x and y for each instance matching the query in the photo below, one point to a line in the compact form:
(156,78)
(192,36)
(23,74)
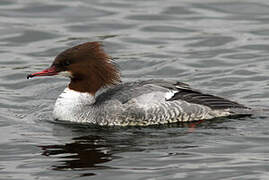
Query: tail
(250,111)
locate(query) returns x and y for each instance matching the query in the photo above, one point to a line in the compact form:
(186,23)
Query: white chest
(70,105)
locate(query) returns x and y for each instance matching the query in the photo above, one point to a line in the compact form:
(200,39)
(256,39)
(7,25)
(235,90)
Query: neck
(85,85)
(73,97)
(69,105)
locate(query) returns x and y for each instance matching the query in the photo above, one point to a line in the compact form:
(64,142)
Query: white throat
(70,105)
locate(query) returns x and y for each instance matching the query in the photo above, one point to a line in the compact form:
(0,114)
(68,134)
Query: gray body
(144,103)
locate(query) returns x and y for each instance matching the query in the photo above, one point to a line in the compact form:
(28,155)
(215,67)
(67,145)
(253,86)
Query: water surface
(220,47)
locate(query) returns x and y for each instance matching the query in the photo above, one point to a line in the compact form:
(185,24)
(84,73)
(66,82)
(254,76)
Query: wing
(127,91)
(157,102)
(168,91)
(214,102)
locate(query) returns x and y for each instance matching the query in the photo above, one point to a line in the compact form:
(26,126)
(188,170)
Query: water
(220,47)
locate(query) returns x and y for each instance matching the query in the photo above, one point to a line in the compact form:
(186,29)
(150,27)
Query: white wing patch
(183,87)
(170,94)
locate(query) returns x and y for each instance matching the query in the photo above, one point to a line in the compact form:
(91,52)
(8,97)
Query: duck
(96,94)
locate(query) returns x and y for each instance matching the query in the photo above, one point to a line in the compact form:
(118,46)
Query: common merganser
(96,95)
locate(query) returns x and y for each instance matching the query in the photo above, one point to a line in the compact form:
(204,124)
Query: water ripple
(218,47)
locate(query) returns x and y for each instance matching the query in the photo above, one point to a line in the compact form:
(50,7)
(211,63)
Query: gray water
(220,47)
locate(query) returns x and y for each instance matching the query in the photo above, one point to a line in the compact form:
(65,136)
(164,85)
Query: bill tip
(29,76)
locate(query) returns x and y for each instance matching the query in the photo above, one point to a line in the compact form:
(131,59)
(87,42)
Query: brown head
(88,66)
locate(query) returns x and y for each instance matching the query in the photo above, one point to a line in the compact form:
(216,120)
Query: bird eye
(65,63)
(62,63)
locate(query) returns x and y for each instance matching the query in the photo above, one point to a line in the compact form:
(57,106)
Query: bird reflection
(88,152)
(93,151)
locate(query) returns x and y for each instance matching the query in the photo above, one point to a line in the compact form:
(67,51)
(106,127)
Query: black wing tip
(212,101)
